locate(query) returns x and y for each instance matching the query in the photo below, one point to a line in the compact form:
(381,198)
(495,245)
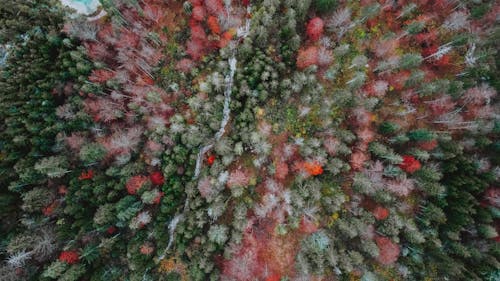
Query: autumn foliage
(388,250)
(313,168)
(157,178)
(251,140)
(135,183)
(410,164)
(69,257)
(380,213)
(307,57)
(315,28)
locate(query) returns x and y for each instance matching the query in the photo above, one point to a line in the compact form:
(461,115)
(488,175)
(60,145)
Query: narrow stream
(4,54)
(242,32)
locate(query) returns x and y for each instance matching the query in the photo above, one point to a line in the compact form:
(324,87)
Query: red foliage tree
(213,25)
(157,178)
(358,158)
(307,57)
(428,145)
(378,88)
(112,229)
(103,109)
(199,13)
(313,168)
(128,39)
(48,210)
(75,141)
(184,65)
(225,39)
(362,117)
(198,33)
(152,12)
(410,164)
(365,135)
(62,189)
(196,2)
(107,34)
(244,264)
(195,49)
(86,175)
(238,178)
(281,170)
(307,226)
(101,75)
(315,28)
(146,249)
(380,213)
(135,183)
(442,105)
(388,250)
(492,197)
(211,159)
(69,257)
(445,60)
(97,51)
(158,198)
(273,277)
(214,7)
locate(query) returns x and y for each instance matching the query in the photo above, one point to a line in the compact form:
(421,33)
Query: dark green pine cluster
(454,221)
(42,69)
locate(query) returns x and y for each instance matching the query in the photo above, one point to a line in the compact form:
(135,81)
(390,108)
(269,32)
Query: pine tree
(453,209)
(410,61)
(18,18)
(32,83)
(323,6)
(421,135)
(388,128)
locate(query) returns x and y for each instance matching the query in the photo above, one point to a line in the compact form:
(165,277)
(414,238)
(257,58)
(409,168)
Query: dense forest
(249,140)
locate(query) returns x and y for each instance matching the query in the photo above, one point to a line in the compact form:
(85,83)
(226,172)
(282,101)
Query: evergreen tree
(32,83)
(454,220)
